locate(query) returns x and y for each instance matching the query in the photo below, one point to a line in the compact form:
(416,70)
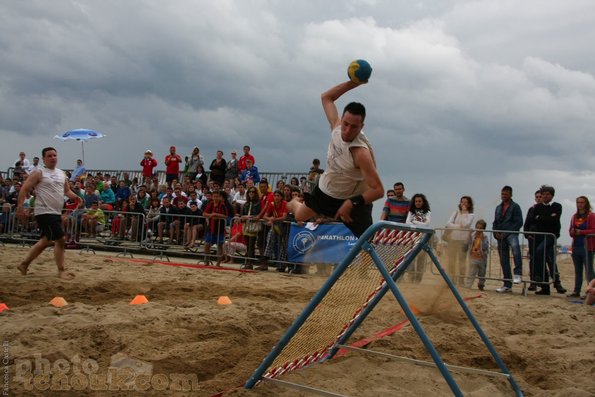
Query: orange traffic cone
(224,300)
(139,300)
(58,301)
(3,307)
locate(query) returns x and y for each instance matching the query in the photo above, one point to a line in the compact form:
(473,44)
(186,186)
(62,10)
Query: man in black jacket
(528,227)
(546,219)
(508,217)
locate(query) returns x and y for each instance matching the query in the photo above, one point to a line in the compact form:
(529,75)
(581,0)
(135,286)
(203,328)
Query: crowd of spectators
(467,246)
(191,207)
(233,208)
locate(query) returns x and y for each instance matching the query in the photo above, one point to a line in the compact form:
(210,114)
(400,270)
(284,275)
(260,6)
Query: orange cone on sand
(58,301)
(224,300)
(139,300)
(3,307)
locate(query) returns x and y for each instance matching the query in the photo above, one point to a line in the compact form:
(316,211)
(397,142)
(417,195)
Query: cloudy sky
(465,97)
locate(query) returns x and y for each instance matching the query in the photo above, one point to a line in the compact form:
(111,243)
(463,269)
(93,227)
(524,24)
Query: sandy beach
(548,343)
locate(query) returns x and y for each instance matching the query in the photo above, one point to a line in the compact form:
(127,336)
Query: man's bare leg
(590,296)
(219,254)
(207,254)
(301,212)
(33,253)
(59,257)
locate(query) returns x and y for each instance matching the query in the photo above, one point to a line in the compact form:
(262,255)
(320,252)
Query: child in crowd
(216,213)
(236,243)
(93,220)
(479,245)
(194,225)
(419,214)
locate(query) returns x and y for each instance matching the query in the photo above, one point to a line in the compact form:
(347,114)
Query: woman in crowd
(143,198)
(252,227)
(135,219)
(201,175)
(119,221)
(194,160)
(134,186)
(232,171)
(218,167)
(460,222)
(280,185)
(153,215)
(419,214)
(286,193)
(582,231)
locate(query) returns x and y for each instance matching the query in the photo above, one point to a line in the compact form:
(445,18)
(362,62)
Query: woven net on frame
(344,302)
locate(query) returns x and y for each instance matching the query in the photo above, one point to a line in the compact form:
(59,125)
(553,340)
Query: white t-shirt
(24,163)
(50,192)
(341,179)
(240,198)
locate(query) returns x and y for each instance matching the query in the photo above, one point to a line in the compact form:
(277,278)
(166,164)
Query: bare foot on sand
(64,275)
(23,269)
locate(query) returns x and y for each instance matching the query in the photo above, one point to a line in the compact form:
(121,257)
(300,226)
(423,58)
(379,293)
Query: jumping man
(350,183)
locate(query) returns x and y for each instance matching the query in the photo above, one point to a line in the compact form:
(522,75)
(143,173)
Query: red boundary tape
(387,332)
(218,268)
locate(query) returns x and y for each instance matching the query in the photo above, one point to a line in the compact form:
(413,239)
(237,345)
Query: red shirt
(265,201)
(242,162)
(216,225)
(277,210)
(148,165)
(172,163)
(237,229)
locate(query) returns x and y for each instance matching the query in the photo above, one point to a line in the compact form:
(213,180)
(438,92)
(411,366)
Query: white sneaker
(503,289)
(517,279)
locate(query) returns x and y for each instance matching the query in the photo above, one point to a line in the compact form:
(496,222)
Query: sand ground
(548,343)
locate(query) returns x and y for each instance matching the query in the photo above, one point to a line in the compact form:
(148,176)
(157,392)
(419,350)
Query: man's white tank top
(49,196)
(341,179)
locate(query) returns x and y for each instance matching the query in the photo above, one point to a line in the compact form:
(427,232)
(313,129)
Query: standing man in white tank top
(350,183)
(51,185)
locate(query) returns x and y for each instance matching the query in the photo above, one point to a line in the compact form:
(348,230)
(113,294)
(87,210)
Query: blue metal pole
(475,324)
(347,334)
(310,307)
(416,325)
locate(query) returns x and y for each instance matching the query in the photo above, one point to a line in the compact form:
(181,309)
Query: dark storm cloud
(464,93)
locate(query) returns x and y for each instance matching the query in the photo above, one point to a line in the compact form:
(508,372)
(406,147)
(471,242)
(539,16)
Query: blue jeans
(582,259)
(511,241)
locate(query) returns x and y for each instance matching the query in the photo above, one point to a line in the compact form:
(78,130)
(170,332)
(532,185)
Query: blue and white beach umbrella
(82,135)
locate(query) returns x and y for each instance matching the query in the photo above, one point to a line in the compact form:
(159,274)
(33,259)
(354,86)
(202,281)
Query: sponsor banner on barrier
(319,243)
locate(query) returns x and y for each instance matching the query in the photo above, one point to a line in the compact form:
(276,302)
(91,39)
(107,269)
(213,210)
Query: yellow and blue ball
(359,71)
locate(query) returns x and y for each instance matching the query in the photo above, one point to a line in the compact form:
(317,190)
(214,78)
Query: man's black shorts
(326,205)
(50,226)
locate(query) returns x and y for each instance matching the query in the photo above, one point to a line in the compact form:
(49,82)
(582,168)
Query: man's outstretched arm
(328,101)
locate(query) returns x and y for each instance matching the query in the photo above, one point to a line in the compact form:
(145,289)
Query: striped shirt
(396,210)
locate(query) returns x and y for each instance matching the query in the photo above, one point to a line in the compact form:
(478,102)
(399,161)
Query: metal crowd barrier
(272,177)
(493,267)
(137,234)
(129,232)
